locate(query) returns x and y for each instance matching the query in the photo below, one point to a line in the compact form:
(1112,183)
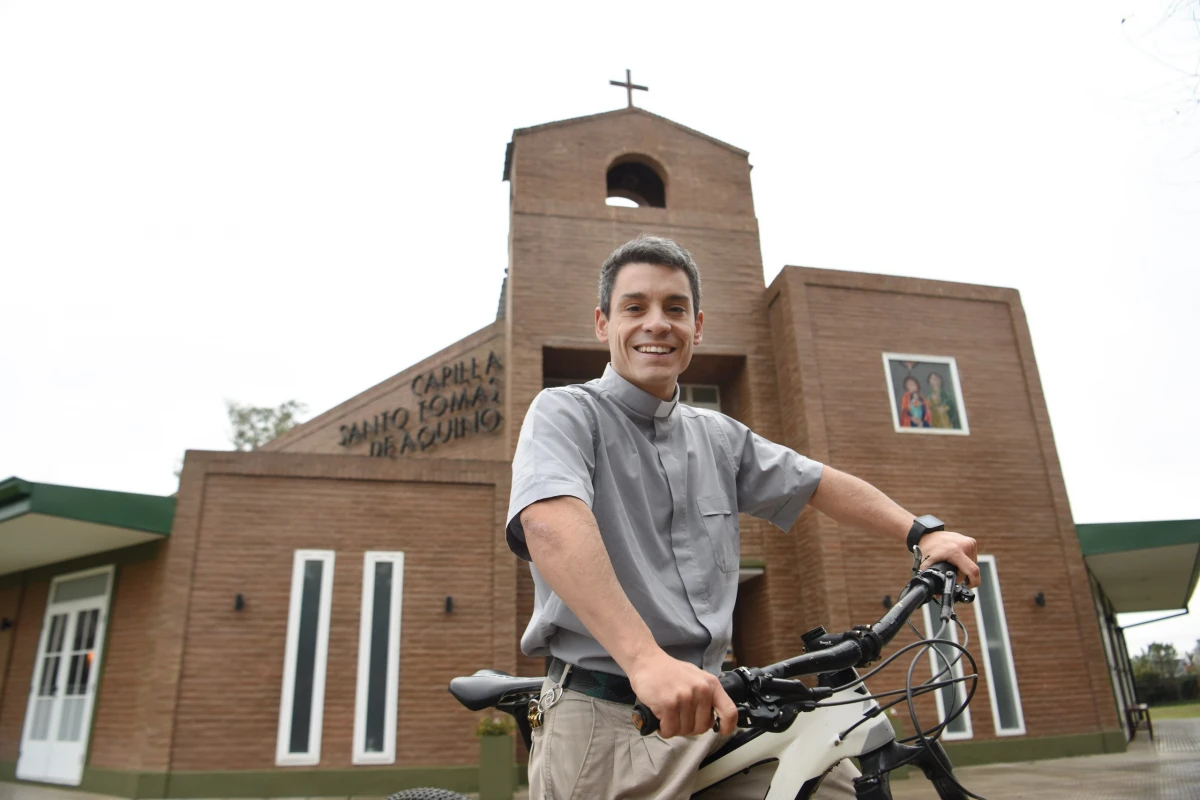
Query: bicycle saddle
(486,687)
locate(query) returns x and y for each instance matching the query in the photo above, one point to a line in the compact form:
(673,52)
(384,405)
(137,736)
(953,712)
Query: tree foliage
(1160,659)
(253,426)
(1163,676)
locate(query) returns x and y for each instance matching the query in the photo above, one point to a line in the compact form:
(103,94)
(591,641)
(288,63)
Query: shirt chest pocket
(721,524)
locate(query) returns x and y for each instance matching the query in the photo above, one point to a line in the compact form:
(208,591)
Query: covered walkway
(1137,567)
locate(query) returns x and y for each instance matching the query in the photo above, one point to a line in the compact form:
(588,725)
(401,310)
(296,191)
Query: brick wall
(257,510)
(23,641)
(1001,484)
(119,714)
(10,608)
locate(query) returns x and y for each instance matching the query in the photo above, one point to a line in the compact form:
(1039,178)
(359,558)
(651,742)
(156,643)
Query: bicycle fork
(877,765)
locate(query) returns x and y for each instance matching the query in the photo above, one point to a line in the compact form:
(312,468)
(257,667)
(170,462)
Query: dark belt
(601,685)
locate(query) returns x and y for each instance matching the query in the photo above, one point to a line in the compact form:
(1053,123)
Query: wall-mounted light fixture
(449,604)
(1040,599)
(239,602)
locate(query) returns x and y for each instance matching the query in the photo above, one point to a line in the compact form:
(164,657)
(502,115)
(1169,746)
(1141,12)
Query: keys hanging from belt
(538,706)
(534,714)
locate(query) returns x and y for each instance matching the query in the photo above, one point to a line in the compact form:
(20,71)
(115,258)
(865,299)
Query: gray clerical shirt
(665,483)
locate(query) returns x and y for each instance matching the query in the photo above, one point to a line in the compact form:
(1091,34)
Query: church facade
(293,629)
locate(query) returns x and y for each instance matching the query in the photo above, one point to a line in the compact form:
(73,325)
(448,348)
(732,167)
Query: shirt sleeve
(555,457)
(773,482)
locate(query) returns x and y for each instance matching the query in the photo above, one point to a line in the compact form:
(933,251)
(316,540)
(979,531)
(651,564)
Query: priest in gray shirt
(626,502)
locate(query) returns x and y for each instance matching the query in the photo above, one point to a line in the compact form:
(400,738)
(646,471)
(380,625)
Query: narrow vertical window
(302,701)
(997,652)
(378,659)
(949,698)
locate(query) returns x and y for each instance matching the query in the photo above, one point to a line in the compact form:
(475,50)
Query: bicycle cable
(923,736)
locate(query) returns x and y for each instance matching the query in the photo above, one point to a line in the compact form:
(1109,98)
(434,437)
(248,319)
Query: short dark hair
(648,250)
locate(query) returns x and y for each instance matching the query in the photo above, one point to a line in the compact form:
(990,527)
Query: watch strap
(921,526)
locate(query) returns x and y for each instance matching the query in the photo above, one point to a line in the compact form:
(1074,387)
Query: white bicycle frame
(809,748)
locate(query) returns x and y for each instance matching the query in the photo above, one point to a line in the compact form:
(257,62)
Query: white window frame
(366,625)
(937,665)
(685,395)
(1008,659)
(283,757)
(951,366)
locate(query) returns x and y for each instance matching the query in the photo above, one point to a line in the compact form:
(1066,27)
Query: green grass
(1180,711)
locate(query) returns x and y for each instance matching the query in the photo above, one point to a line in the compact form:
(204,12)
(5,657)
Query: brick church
(288,623)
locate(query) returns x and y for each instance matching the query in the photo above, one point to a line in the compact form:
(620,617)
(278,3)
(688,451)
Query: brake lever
(947,595)
(951,591)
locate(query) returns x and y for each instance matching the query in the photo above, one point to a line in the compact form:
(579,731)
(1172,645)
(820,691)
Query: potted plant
(497,778)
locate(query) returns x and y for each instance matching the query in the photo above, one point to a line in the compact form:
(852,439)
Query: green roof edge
(144,512)
(1119,537)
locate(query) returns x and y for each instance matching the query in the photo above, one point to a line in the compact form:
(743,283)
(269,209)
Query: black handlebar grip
(644,719)
(646,723)
(733,685)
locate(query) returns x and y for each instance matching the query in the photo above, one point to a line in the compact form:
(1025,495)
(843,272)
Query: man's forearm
(855,502)
(565,545)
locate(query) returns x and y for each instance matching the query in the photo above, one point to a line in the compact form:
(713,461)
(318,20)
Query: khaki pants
(588,749)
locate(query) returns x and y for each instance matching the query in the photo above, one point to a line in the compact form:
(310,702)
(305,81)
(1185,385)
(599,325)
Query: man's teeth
(653,349)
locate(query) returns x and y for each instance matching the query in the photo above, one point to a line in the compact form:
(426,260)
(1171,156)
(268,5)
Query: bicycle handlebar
(856,647)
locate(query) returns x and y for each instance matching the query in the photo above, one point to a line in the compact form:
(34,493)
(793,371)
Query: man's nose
(656,321)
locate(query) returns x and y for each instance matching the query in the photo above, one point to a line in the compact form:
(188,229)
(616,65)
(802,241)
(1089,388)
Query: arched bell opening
(636,181)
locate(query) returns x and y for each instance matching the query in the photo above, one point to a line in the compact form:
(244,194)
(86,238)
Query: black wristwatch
(921,526)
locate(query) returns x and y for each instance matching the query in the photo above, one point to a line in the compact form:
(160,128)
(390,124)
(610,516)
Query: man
(627,504)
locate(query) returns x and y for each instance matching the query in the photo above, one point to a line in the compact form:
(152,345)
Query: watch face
(929,522)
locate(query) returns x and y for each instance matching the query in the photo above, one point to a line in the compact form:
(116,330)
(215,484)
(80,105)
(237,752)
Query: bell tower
(579,188)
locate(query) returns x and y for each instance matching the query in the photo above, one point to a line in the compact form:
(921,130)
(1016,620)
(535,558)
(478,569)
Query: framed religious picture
(925,394)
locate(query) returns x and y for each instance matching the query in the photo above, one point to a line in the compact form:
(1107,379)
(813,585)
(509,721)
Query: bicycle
(791,735)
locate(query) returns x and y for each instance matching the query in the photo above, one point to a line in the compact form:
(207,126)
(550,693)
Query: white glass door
(58,718)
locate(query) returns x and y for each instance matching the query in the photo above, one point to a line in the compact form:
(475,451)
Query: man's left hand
(958,550)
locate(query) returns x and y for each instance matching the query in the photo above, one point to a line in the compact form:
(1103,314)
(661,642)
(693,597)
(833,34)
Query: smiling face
(651,327)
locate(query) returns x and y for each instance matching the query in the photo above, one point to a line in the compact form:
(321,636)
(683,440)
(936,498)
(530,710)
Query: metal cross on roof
(629,87)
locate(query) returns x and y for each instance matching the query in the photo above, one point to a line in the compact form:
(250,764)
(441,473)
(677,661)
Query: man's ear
(601,326)
(699,328)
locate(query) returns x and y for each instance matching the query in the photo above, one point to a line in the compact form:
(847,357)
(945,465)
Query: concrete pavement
(1167,769)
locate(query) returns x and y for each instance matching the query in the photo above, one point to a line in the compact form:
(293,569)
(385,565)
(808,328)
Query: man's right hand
(682,696)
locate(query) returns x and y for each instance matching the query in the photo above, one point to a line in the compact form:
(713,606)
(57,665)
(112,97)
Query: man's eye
(634,309)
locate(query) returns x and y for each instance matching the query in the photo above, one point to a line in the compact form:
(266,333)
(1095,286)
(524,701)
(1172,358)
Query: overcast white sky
(275,200)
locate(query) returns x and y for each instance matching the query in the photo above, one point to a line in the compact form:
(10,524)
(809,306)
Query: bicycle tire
(427,793)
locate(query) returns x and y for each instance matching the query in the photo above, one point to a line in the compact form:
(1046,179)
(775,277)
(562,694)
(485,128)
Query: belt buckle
(551,697)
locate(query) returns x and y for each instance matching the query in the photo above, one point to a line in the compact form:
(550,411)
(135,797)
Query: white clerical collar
(638,400)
